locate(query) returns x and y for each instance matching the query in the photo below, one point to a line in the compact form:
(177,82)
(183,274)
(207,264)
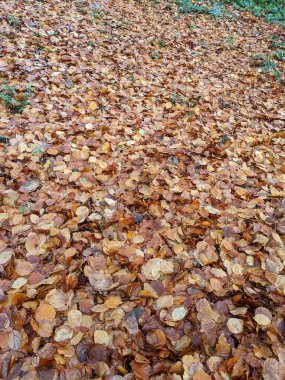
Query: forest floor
(142,181)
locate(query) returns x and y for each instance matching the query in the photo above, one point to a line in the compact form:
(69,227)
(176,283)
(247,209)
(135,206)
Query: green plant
(277,75)
(4,139)
(279,44)
(280,55)
(258,56)
(14,22)
(95,6)
(271,10)
(91,43)
(14,99)
(276,42)
(177,98)
(187,6)
(267,65)
(161,43)
(80,7)
(98,12)
(39,48)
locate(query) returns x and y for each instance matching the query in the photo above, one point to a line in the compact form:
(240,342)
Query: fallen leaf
(45,312)
(235,325)
(157,267)
(63,334)
(101,337)
(178,313)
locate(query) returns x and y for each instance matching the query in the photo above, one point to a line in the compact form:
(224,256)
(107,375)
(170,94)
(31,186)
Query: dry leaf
(142,184)
(101,337)
(235,325)
(155,268)
(15,340)
(93,106)
(45,312)
(178,313)
(113,302)
(262,319)
(63,334)
(5,257)
(201,376)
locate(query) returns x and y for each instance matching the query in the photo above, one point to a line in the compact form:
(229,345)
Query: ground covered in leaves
(142,183)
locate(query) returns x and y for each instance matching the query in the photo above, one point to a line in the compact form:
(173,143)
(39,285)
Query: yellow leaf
(113,302)
(106,147)
(104,91)
(92,106)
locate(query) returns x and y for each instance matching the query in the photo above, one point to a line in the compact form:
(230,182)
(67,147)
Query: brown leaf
(45,312)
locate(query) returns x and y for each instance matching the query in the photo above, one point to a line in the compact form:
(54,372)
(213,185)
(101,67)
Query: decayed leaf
(141,370)
(148,292)
(82,212)
(101,280)
(3,216)
(70,252)
(93,106)
(273,369)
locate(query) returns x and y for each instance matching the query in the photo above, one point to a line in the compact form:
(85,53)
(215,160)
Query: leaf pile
(142,195)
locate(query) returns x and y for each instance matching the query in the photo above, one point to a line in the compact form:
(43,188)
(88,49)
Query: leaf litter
(142,195)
